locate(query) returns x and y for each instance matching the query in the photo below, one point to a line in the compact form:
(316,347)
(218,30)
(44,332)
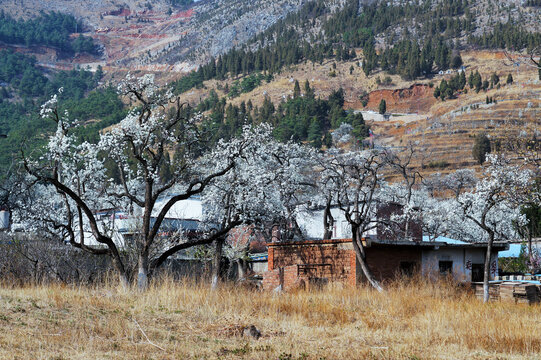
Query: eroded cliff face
(418,98)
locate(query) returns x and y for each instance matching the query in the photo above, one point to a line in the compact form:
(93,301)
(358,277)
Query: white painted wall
(311,224)
(4,219)
(189,209)
(462,259)
(120,223)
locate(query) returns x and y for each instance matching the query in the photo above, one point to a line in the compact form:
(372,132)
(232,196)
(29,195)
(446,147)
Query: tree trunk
(122,276)
(407,227)
(361,256)
(486,275)
(241,269)
(530,253)
(217,264)
(142,272)
(328,222)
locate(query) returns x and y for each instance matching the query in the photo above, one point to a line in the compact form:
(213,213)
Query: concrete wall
(311,224)
(463,259)
(259,267)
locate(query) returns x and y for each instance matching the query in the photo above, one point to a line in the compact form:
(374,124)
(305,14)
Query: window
(407,268)
(477,271)
(446,267)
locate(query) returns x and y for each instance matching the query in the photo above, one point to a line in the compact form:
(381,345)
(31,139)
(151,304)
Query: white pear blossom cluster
(491,203)
(266,182)
(142,85)
(343,134)
(353,179)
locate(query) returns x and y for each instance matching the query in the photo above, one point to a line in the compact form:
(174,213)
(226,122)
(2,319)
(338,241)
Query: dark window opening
(446,267)
(407,268)
(477,271)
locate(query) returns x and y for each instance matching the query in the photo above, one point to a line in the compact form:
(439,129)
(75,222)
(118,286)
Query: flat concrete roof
(497,245)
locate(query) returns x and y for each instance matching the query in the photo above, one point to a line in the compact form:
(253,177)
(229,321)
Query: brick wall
(301,264)
(397,232)
(291,277)
(309,262)
(272,279)
(384,261)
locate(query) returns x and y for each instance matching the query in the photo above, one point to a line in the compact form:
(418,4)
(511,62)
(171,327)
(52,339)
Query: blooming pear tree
(265,187)
(354,179)
(78,173)
(486,208)
(532,204)
(405,163)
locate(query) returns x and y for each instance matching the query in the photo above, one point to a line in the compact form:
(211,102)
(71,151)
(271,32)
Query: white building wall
(462,258)
(4,219)
(311,224)
(118,223)
(189,209)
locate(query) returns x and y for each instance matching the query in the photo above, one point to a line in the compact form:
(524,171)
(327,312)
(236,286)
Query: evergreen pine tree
(481,147)
(462,81)
(296,90)
(314,133)
(360,130)
(98,74)
(456,62)
(382,107)
(165,168)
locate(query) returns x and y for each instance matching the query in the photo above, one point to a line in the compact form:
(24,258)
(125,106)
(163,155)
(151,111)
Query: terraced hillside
(444,129)
(448,129)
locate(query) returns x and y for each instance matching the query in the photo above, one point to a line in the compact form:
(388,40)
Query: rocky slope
(155,36)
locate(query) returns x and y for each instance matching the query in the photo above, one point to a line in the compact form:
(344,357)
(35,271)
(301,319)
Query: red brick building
(294,264)
(389,252)
(309,263)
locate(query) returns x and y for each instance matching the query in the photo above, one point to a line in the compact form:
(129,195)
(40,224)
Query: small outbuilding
(308,263)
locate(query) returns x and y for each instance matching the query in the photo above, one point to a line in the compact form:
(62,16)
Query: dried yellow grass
(412,320)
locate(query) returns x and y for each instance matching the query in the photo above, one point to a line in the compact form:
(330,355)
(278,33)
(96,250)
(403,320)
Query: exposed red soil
(418,98)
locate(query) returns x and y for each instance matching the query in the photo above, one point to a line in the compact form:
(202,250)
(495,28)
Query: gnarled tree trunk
(328,221)
(217,263)
(142,272)
(361,257)
(486,275)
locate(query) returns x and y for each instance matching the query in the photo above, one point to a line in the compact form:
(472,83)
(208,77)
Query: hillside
(363,48)
(446,129)
(159,35)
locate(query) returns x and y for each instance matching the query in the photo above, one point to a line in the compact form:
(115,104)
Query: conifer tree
(296,90)
(481,148)
(314,133)
(382,107)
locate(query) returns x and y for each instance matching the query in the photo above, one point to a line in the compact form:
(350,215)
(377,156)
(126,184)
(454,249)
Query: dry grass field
(187,321)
